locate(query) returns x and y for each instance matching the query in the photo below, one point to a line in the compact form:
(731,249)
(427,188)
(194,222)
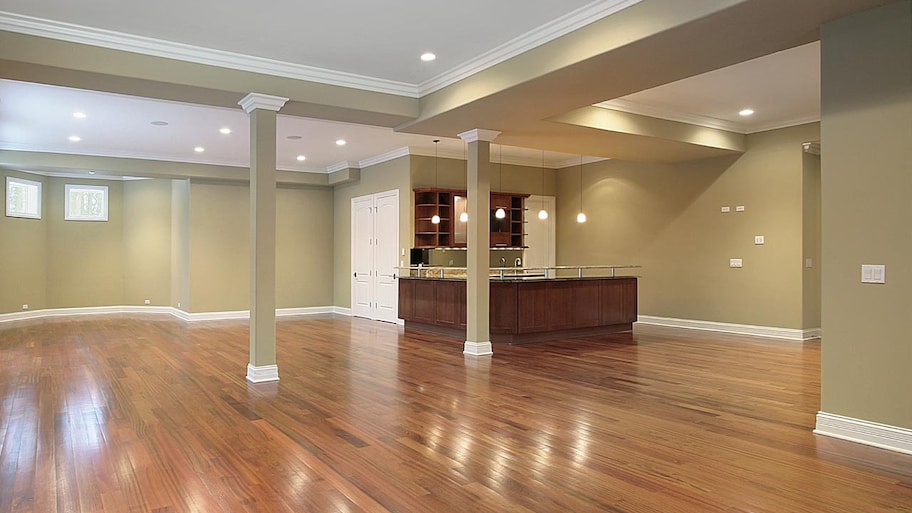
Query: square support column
(478,291)
(262,110)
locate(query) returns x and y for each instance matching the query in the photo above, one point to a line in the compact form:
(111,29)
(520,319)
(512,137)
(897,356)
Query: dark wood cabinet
(524,311)
(506,232)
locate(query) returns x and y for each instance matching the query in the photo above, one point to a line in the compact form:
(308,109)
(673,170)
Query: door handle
(355,274)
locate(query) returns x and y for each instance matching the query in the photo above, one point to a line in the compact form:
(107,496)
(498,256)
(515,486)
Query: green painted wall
(866,138)
(23,253)
(667,218)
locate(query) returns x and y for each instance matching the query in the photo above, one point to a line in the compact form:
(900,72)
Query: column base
(478,348)
(262,373)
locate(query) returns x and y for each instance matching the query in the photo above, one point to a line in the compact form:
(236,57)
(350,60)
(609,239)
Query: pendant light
(581,217)
(500,213)
(464,216)
(543,214)
(436,217)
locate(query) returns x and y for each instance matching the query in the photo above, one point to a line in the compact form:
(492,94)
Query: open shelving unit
(429,202)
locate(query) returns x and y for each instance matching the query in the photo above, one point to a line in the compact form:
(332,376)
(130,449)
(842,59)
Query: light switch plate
(734,262)
(873,273)
(808,263)
(726,210)
(759,239)
(739,208)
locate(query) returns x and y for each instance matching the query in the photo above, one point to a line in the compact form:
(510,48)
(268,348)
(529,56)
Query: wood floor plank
(121,414)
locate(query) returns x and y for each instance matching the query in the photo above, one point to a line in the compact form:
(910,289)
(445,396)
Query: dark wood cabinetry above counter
(451,231)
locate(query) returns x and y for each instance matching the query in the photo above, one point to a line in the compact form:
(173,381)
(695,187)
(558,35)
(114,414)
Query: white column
(478,291)
(262,111)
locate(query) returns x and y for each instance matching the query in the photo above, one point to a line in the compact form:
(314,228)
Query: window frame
(27,183)
(66,204)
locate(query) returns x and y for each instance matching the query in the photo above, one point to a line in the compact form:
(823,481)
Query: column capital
(479,134)
(255,101)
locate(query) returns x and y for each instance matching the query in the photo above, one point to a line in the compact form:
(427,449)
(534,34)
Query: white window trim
(29,183)
(66,207)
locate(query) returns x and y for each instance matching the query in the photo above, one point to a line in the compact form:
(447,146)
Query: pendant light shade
(435,219)
(500,213)
(543,214)
(581,217)
(464,217)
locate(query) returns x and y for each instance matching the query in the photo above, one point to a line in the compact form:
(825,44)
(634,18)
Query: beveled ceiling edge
(641,109)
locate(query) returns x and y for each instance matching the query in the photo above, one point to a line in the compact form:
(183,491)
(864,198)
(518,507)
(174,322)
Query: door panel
(386,256)
(362,257)
(375,256)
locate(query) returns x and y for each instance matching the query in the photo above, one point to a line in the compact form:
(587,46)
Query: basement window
(23,198)
(86,203)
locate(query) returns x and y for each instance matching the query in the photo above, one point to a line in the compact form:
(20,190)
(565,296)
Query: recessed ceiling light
(294,137)
(79,115)
(746,112)
(224,131)
(301,158)
(199,149)
(428,56)
(341,142)
(160,123)
(91,172)
(75,138)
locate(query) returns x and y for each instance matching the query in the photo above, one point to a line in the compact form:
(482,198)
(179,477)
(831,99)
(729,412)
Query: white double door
(375,256)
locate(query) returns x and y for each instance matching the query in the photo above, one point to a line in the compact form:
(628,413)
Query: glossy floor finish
(125,415)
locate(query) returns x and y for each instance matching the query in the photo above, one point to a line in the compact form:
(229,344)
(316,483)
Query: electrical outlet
(759,240)
(148,301)
(726,210)
(178,304)
(735,263)
(25,307)
(739,208)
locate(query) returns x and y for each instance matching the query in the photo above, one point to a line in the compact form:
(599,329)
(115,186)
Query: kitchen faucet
(518,262)
(503,262)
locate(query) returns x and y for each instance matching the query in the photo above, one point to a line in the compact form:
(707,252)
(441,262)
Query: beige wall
(386,176)
(219,247)
(304,247)
(667,218)
(810,190)
(23,253)
(147,242)
(85,258)
(220,239)
(866,138)
(180,244)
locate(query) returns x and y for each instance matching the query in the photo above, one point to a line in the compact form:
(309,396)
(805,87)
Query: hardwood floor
(150,414)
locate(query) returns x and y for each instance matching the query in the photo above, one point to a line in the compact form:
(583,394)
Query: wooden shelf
(506,232)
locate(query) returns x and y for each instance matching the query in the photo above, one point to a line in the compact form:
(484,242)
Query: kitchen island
(527,305)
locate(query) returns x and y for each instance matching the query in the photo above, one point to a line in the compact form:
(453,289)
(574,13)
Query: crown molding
(254,101)
(339,166)
(479,134)
(784,124)
(207,56)
(534,38)
(386,157)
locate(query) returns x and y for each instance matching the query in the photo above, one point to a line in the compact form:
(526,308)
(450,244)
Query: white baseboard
(175,312)
(341,310)
(263,373)
(478,348)
(89,310)
(737,329)
(864,432)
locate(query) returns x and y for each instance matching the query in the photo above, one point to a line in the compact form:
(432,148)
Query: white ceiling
(783,88)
